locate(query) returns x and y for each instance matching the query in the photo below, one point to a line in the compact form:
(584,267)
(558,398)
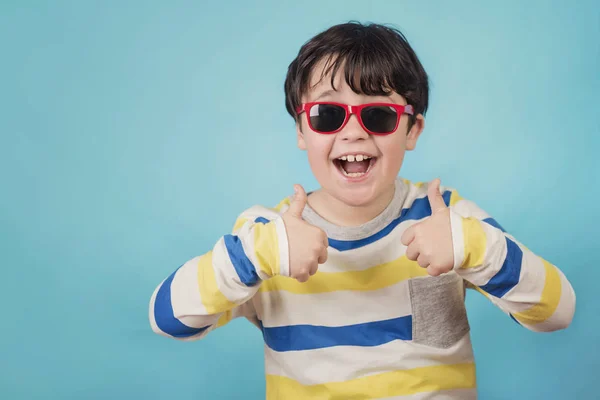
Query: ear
(415,132)
(300,136)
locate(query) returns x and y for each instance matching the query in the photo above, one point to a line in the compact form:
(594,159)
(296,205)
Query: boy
(359,287)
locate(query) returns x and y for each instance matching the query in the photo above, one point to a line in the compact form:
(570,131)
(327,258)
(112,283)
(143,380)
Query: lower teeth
(353,174)
(356,174)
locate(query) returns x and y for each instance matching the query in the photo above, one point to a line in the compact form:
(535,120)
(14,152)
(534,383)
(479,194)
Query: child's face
(344,180)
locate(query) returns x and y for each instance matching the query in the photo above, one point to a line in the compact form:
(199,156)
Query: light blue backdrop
(132,134)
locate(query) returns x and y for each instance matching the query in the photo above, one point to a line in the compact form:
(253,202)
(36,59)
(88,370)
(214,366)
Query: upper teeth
(352,158)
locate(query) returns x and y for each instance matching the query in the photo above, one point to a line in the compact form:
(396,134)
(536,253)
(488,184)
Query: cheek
(318,147)
(392,148)
(318,150)
(316,159)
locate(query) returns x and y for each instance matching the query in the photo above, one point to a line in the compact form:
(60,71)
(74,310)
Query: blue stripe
(508,276)
(309,337)
(163,313)
(494,223)
(261,220)
(419,209)
(242,264)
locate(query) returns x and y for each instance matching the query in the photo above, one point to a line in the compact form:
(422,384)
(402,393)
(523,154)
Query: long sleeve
(211,289)
(530,289)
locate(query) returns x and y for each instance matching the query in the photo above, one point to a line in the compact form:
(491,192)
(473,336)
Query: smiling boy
(358,287)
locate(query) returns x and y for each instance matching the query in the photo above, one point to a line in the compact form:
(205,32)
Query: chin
(357,196)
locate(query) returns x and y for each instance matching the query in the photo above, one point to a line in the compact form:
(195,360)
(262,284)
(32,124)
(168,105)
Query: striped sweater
(370,323)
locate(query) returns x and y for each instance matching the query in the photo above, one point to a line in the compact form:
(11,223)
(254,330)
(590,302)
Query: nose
(352,131)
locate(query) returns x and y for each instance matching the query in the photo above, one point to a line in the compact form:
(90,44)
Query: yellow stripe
(475,242)
(396,383)
(373,278)
(266,248)
(214,301)
(548,302)
(238,224)
(478,289)
(284,202)
(224,319)
(454,198)
(415,184)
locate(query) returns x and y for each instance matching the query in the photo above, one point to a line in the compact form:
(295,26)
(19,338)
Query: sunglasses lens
(326,117)
(379,119)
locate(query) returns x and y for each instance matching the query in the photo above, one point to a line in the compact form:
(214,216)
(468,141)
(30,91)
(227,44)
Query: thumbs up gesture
(430,242)
(307,243)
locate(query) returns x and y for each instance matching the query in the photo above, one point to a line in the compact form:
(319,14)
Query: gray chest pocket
(438,307)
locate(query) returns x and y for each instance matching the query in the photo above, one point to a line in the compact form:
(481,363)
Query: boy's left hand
(430,241)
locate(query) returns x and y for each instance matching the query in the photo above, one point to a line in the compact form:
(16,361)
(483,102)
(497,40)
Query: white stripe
(455,394)
(282,241)
(342,363)
(185,297)
(458,238)
(245,310)
(151,316)
(340,308)
(414,193)
(384,250)
(467,208)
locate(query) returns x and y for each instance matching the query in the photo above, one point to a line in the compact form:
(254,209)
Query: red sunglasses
(375,118)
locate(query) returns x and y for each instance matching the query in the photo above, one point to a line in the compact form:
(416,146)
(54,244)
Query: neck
(339,213)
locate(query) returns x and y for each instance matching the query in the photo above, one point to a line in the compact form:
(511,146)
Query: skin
(353,203)
(428,242)
(349,203)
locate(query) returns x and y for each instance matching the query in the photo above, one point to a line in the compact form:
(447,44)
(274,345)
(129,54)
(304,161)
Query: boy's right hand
(307,243)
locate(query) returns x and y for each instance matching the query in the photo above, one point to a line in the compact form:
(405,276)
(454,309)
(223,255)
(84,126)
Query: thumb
(436,201)
(298,203)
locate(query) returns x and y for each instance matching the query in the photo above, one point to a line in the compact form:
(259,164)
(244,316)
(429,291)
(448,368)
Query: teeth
(352,157)
(353,174)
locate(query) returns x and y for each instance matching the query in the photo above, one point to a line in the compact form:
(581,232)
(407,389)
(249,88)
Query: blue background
(132,134)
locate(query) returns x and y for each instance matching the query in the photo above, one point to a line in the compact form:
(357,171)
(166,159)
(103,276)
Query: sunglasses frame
(356,110)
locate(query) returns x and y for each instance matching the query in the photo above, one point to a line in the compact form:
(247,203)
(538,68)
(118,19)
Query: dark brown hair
(377,59)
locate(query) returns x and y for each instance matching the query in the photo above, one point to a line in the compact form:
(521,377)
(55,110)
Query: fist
(429,242)
(307,243)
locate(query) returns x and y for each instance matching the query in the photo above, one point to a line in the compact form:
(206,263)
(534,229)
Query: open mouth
(355,165)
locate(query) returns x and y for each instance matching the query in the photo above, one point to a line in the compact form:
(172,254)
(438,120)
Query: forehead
(320,78)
